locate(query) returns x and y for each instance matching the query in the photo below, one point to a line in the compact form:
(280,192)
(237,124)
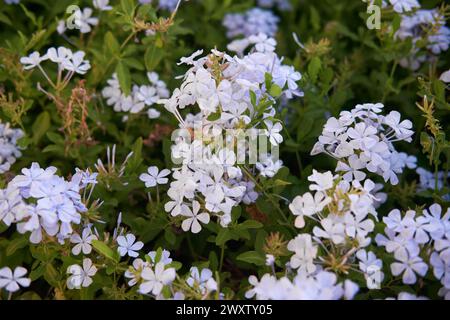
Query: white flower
(304,253)
(203,280)
(401,6)
(409,266)
(128,245)
(84,21)
(102,5)
(273,132)
(83,243)
(61,55)
(194,218)
(307,205)
(11,280)
(77,63)
(324,181)
(81,276)
(154,177)
(33,60)
(154,281)
(331,230)
(445,77)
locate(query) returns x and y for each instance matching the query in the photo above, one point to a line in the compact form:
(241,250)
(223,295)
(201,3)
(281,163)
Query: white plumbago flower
(252,22)
(323,181)
(33,60)
(409,266)
(371,267)
(77,63)
(134,272)
(12,281)
(208,166)
(401,6)
(202,280)
(9,150)
(165,257)
(153,281)
(273,132)
(140,97)
(154,177)
(102,5)
(280,4)
(423,26)
(84,21)
(363,139)
(445,77)
(192,222)
(128,245)
(60,55)
(270,260)
(51,204)
(83,243)
(320,286)
(307,205)
(304,253)
(81,276)
(330,230)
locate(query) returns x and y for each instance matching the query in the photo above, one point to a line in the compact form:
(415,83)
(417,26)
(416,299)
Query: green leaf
(275,91)
(124,76)
(105,251)
(15,245)
(153,56)
(170,236)
(111,44)
(223,236)
(251,224)
(136,159)
(40,126)
(314,67)
(252,257)
(128,6)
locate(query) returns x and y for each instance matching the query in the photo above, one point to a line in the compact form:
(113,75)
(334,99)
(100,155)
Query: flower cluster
(280,4)
(251,22)
(428,25)
(157,271)
(141,96)
(40,202)
(83,20)
(9,151)
(234,98)
(413,236)
(169,5)
(362,139)
(71,62)
(321,286)
(431,181)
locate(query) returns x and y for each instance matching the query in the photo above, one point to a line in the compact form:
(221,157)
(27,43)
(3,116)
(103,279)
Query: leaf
(124,76)
(275,91)
(314,67)
(15,245)
(40,126)
(136,159)
(251,224)
(128,7)
(223,236)
(153,56)
(315,18)
(170,236)
(111,44)
(252,257)
(105,251)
